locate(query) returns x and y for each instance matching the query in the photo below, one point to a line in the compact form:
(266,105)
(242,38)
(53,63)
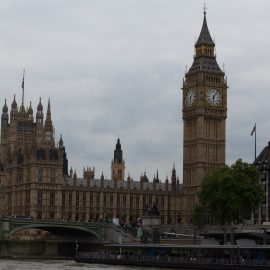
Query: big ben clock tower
(204,116)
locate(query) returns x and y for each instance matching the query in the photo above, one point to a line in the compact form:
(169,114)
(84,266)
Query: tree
(197,215)
(231,193)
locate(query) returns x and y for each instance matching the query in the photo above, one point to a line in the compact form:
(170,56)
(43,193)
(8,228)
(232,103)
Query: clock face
(190,97)
(214,97)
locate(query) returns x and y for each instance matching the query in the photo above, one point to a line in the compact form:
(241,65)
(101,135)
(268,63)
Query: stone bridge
(64,237)
(9,226)
(255,232)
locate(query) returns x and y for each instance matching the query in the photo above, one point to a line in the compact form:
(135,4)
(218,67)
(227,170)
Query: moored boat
(218,257)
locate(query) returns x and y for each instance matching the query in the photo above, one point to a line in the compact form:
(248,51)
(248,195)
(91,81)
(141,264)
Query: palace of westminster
(35,180)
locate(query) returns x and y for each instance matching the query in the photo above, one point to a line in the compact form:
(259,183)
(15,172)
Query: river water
(59,265)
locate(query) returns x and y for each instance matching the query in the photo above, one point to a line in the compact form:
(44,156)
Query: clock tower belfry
(204,116)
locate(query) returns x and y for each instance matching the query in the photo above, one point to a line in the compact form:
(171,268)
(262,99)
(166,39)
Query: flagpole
(23,88)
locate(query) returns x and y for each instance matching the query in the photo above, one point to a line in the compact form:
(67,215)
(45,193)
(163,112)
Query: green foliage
(231,193)
(197,215)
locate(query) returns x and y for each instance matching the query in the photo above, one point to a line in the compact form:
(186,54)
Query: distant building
(263,164)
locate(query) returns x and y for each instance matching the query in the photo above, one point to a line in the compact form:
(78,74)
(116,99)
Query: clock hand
(214,97)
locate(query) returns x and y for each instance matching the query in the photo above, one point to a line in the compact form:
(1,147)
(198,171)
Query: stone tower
(118,164)
(204,115)
(33,166)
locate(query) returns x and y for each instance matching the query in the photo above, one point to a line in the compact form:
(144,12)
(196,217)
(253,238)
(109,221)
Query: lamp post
(179,219)
(76,248)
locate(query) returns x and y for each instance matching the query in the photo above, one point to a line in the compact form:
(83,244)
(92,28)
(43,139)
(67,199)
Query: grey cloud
(115,68)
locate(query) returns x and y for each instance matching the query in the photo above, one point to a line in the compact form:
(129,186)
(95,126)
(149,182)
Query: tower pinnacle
(118,164)
(48,115)
(204,37)
(204,9)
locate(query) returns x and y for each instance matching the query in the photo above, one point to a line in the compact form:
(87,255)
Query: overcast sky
(115,68)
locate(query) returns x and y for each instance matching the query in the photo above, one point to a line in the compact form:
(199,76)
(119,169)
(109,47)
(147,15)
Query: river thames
(58,265)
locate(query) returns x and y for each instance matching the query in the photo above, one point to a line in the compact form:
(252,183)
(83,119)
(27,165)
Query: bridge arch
(57,229)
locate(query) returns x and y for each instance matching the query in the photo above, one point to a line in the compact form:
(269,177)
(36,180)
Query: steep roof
(205,37)
(263,159)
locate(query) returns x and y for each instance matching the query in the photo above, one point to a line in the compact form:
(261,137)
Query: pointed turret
(48,121)
(30,111)
(63,153)
(144,179)
(118,153)
(167,183)
(156,179)
(61,142)
(173,178)
(14,109)
(39,115)
(5,107)
(5,112)
(205,58)
(4,125)
(118,164)
(48,125)
(204,37)
(4,121)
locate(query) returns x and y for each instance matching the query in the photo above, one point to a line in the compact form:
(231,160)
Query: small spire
(204,9)
(61,143)
(48,121)
(118,144)
(204,37)
(14,103)
(40,107)
(5,107)
(48,116)
(30,110)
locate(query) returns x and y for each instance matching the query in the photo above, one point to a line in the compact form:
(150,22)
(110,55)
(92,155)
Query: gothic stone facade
(204,115)
(34,176)
(35,181)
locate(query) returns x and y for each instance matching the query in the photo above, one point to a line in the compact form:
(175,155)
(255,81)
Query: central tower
(118,164)
(204,115)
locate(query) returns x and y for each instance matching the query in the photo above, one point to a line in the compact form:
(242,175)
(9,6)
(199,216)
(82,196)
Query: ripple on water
(60,265)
